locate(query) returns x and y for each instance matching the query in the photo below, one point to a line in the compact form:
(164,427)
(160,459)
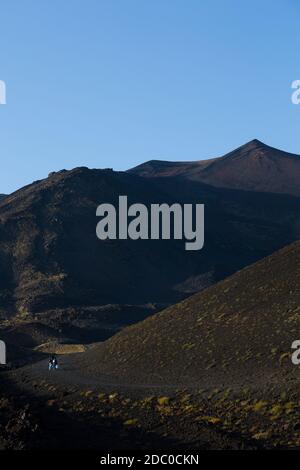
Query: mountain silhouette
(252,167)
(50,257)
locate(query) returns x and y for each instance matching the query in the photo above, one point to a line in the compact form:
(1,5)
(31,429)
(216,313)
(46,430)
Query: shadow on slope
(237,333)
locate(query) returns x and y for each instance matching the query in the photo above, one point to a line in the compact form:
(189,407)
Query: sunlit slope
(254,166)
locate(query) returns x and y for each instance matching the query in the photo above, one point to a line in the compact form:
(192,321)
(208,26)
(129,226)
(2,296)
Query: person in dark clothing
(53,364)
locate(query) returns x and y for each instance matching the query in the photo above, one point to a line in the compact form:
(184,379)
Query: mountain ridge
(50,256)
(253,166)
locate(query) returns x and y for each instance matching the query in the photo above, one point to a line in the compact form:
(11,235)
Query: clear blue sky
(112,83)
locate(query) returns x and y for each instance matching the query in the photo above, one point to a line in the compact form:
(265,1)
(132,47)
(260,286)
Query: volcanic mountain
(236,333)
(252,167)
(50,257)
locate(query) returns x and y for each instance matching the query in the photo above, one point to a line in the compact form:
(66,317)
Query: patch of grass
(163,401)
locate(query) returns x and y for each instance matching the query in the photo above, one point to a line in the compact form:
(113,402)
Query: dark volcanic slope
(50,256)
(237,332)
(252,167)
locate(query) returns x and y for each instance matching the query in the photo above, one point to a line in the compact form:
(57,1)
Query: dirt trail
(100,415)
(113,415)
(67,376)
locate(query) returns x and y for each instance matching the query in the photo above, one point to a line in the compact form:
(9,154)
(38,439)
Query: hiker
(53,364)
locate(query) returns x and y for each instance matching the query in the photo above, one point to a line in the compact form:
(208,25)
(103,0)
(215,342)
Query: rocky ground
(46,413)
(46,416)
(212,372)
